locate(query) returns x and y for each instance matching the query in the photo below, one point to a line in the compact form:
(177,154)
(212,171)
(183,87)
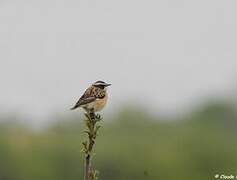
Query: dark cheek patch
(101,94)
(101,86)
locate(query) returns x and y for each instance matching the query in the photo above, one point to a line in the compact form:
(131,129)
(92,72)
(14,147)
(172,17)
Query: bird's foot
(98,117)
(92,115)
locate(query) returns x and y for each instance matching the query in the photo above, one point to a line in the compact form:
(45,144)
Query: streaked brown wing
(86,98)
(83,101)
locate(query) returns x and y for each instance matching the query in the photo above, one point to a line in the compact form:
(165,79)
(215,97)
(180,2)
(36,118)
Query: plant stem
(92,128)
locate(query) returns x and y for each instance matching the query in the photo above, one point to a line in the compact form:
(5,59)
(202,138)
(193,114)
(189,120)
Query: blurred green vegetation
(132,145)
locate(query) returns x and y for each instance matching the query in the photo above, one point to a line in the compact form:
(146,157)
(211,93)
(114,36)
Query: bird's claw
(98,117)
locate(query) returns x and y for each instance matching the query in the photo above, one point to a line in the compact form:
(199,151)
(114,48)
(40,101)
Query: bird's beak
(107,85)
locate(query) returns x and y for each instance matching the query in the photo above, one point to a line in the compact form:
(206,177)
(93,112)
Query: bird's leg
(92,115)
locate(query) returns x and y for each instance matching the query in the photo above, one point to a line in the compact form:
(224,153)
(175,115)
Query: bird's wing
(86,98)
(83,101)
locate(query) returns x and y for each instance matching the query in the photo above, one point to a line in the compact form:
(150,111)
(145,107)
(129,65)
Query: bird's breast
(98,104)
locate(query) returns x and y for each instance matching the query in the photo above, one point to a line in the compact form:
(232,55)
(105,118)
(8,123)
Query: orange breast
(99,104)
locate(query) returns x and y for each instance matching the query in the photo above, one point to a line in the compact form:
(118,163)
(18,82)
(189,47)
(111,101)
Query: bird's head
(101,84)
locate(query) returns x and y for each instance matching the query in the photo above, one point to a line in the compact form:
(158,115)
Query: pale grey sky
(166,53)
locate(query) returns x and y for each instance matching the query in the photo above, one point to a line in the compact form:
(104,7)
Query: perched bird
(94,98)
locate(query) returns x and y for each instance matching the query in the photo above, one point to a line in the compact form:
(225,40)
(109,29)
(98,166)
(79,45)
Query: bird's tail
(74,107)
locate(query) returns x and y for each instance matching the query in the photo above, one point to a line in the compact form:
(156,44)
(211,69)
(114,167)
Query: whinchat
(94,98)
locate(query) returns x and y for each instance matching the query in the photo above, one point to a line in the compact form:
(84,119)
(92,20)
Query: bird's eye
(100,86)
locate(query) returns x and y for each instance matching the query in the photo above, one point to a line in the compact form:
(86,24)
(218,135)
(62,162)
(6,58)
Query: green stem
(90,173)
